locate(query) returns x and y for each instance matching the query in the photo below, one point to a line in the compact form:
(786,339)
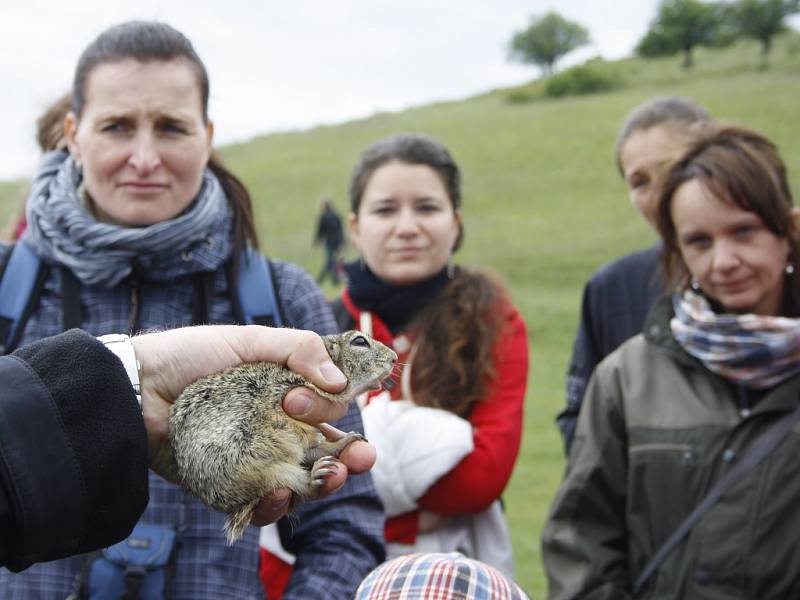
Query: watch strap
(121,345)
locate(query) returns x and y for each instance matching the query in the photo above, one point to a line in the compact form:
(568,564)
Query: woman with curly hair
(449,430)
(447,433)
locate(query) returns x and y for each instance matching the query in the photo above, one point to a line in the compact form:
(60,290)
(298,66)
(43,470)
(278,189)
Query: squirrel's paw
(322,469)
(335,447)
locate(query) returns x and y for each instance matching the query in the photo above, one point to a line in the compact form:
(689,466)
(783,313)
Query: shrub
(581,80)
(521,95)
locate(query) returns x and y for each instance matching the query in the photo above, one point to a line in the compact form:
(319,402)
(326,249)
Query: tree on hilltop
(763,19)
(679,26)
(546,40)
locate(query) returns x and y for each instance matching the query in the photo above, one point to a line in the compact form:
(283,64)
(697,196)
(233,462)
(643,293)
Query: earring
(361,263)
(451,270)
(789,268)
(695,285)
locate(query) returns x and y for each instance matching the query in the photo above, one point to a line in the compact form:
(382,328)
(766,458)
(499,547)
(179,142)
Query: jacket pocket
(664,483)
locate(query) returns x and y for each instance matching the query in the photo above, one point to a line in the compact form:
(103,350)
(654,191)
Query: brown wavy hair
(453,361)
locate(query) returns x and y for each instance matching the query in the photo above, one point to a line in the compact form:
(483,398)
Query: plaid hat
(437,576)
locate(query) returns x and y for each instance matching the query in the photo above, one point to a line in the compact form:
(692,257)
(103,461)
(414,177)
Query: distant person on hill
(139,226)
(617,297)
(683,479)
(331,234)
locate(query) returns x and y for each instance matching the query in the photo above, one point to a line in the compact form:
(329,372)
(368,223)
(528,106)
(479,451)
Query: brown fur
(233,444)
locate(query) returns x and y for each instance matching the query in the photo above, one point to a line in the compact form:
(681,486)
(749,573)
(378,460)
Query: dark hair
(740,166)
(412,149)
(143,41)
(661,110)
(149,41)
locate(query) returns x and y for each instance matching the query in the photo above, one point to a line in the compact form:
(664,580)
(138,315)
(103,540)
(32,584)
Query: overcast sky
(297,63)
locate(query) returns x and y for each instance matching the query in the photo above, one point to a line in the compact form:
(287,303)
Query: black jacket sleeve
(73,450)
(584,359)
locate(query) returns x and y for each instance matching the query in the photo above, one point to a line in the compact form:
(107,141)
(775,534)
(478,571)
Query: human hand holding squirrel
(171,360)
(233,443)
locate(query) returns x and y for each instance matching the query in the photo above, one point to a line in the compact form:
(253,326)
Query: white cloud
(282,65)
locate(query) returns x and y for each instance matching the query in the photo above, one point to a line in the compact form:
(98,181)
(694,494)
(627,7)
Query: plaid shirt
(337,540)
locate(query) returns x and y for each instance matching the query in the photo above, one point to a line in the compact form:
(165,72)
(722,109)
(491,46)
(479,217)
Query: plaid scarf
(755,351)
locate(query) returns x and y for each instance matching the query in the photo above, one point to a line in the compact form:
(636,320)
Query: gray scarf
(63,232)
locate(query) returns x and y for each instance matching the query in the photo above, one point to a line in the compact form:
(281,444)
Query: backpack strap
(255,301)
(22,280)
(71,313)
(757,451)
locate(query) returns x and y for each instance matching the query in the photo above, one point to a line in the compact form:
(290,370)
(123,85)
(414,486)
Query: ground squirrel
(233,443)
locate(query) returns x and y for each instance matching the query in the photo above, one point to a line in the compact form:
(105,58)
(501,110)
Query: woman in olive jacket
(670,412)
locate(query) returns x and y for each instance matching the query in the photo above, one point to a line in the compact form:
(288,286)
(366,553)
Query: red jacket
(480,478)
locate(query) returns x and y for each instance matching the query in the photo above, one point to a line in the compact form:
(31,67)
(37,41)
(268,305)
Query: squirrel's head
(363,360)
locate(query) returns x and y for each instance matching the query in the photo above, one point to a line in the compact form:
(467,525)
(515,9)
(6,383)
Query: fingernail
(298,405)
(332,373)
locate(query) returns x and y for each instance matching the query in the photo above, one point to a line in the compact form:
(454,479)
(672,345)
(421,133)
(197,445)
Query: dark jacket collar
(657,330)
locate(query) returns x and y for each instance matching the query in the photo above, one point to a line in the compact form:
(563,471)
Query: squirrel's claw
(322,469)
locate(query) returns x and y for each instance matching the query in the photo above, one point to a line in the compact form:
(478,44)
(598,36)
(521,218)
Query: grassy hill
(543,206)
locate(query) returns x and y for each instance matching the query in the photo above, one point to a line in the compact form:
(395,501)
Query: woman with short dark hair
(618,295)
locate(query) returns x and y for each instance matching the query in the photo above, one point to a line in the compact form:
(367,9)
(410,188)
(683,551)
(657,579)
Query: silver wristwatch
(122,346)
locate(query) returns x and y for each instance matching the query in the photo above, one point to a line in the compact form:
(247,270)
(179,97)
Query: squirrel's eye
(359,340)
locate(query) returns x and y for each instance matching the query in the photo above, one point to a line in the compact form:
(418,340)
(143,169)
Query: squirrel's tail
(237,521)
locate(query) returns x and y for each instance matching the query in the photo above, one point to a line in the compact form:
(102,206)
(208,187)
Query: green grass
(543,206)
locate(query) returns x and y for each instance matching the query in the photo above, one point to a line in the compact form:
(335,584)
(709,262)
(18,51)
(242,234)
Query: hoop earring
(789,268)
